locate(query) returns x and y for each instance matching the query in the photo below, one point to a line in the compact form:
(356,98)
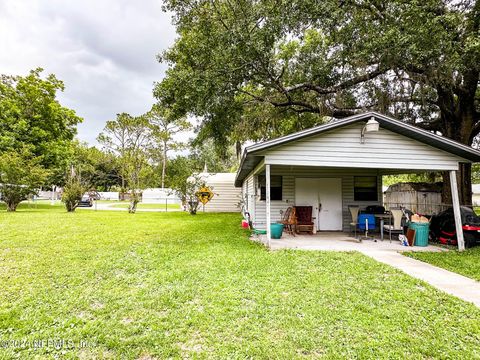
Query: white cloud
(104,51)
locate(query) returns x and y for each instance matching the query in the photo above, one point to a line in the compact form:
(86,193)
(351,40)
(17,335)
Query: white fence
(47,195)
(160,196)
(109,195)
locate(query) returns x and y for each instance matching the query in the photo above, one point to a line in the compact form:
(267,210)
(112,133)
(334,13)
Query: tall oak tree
(253,70)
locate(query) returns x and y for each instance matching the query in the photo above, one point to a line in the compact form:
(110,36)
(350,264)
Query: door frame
(316,210)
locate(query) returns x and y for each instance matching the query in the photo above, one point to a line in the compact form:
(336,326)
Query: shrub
(72,193)
(20,176)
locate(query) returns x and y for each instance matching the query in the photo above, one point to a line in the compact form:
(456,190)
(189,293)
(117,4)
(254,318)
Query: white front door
(325,197)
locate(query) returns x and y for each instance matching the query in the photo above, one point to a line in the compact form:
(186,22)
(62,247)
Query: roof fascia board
(259,167)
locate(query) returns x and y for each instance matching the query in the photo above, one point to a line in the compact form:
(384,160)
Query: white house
(341,163)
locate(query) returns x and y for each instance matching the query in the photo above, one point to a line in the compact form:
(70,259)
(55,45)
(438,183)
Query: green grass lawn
(37,205)
(466,263)
(46,204)
(160,285)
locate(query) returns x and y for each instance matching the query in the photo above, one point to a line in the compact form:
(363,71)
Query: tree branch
(408,99)
(433,125)
(342,86)
(220,16)
(306,107)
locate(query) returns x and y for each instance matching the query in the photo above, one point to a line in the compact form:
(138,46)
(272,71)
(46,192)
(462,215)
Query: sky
(104,51)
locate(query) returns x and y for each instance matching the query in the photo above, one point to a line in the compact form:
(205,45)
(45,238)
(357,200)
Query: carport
(340,164)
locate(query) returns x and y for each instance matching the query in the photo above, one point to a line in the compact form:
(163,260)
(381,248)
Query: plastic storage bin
(277,230)
(362,223)
(421,233)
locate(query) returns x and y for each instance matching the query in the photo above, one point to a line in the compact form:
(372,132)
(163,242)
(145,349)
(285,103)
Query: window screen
(275,187)
(365,188)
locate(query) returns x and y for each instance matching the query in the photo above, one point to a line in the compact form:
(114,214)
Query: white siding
(342,148)
(249,194)
(289,174)
(226,196)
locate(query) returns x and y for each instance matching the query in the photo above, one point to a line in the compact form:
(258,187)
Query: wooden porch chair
(304,219)
(289,220)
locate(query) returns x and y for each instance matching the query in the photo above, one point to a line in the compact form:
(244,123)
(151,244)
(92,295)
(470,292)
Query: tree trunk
(458,125)
(465,184)
(464,181)
(134,200)
(164,163)
(12,206)
(71,205)
(446,191)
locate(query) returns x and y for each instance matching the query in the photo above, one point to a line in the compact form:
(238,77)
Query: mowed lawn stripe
(173,285)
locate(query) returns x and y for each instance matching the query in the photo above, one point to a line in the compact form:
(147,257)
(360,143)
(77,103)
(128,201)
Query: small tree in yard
(164,127)
(131,134)
(187,191)
(189,195)
(136,165)
(114,138)
(21,175)
(185,185)
(73,191)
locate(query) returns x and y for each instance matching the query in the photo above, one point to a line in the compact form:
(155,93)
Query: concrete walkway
(454,284)
(388,253)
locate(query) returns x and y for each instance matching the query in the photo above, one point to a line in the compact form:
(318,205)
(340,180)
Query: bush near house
(20,176)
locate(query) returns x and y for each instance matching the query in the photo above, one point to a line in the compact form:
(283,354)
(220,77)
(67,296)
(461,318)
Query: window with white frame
(365,188)
(275,187)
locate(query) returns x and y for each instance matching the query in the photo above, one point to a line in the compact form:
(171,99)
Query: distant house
(338,164)
(160,196)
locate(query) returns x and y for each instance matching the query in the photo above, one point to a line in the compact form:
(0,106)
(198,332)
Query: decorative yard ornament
(204,194)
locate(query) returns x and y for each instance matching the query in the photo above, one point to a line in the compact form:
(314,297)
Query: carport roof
(251,157)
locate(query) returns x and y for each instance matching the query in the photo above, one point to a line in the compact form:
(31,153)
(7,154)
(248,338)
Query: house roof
(251,155)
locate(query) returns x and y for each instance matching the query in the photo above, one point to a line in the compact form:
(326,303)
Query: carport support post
(456,210)
(267,202)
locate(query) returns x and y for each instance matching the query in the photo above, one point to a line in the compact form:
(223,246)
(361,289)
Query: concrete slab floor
(388,253)
(339,241)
